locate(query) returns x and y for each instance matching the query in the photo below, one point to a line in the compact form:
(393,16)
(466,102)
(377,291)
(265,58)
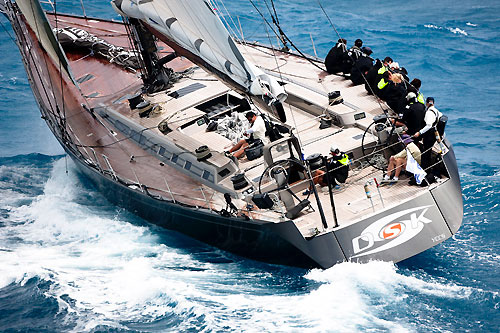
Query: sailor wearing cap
(338,165)
(427,133)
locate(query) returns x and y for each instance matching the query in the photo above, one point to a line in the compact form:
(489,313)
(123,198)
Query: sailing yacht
(148,108)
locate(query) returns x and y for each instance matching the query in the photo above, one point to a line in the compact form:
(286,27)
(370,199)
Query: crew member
(414,114)
(338,166)
(414,86)
(336,56)
(394,93)
(256,132)
(383,76)
(353,55)
(361,66)
(428,135)
(371,77)
(397,162)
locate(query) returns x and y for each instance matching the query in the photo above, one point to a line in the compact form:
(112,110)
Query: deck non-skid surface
(350,202)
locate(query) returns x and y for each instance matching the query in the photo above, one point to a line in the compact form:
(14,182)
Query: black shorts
(251,140)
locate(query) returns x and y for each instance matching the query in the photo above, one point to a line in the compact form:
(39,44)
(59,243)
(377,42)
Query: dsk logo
(387,233)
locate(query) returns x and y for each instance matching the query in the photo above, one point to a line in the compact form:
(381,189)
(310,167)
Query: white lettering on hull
(390,231)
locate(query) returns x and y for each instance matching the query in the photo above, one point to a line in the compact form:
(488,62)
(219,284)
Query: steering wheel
(381,133)
(284,166)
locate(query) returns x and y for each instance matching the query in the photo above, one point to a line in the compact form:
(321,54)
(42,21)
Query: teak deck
(111,84)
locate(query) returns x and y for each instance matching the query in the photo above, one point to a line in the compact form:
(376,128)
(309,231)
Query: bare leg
(401,165)
(241,151)
(318,177)
(391,166)
(237,146)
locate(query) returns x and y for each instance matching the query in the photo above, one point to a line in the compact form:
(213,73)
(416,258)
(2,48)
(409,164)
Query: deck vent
(186,90)
(85,78)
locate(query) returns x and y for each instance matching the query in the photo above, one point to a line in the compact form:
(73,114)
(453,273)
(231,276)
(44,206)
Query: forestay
(37,20)
(195,27)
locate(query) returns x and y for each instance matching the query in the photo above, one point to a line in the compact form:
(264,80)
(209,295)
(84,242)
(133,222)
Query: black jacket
(395,96)
(362,65)
(372,76)
(334,60)
(413,117)
(338,171)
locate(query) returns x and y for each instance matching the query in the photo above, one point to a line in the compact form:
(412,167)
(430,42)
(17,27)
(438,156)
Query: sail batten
(195,27)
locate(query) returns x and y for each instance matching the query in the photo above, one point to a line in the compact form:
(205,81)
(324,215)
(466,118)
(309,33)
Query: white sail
(37,20)
(194,26)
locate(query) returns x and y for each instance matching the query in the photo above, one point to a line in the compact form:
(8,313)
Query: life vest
(344,160)
(381,84)
(420,98)
(382,70)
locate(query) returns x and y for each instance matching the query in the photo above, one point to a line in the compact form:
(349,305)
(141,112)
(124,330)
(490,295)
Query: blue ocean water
(69,260)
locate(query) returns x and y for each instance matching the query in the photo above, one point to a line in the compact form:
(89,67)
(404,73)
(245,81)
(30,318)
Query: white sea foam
(454,30)
(471,24)
(106,271)
(458,31)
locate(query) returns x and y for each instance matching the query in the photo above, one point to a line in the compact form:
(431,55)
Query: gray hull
(391,235)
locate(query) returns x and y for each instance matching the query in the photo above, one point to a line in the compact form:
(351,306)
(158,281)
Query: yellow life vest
(344,160)
(420,98)
(381,84)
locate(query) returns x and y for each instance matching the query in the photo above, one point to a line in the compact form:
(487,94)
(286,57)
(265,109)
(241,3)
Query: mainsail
(195,27)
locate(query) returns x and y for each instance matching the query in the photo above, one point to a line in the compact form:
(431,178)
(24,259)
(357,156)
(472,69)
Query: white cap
(334,148)
(411,95)
(394,65)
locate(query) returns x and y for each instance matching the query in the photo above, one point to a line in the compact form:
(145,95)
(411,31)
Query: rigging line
(362,74)
(288,39)
(30,56)
(277,23)
(275,13)
(232,20)
(65,130)
(83,9)
(284,88)
(57,113)
(328,17)
(134,46)
(8,33)
(243,43)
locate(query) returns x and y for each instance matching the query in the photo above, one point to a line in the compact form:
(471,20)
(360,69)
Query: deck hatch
(121,99)
(186,90)
(85,78)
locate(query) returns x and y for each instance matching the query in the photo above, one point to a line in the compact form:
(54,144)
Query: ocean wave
(453,30)
(107,270)
(104,271)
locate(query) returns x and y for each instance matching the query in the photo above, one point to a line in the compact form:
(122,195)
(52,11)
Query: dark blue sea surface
(71,261)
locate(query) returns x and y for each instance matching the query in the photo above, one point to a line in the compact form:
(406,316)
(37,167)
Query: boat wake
(95,266)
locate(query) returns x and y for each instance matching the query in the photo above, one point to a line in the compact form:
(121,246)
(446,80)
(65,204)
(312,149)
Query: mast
(156,77)
(193,29)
